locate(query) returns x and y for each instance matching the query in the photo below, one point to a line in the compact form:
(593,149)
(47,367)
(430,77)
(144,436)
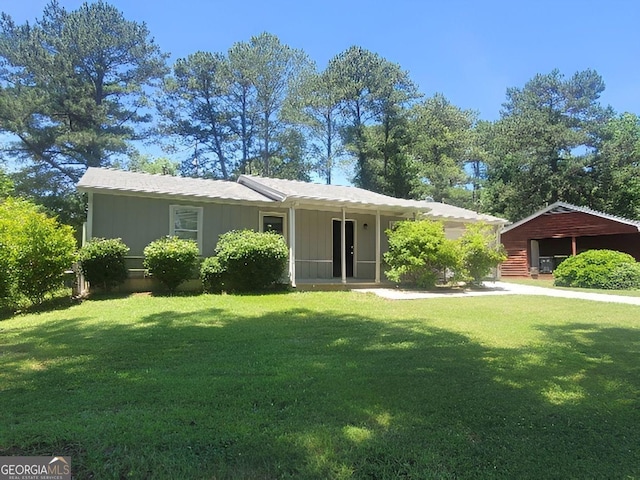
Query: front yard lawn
(326,385)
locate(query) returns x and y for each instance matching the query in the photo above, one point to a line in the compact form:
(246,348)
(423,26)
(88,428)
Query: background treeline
(90,88)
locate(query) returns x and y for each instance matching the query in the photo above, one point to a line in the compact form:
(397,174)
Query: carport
(538,243)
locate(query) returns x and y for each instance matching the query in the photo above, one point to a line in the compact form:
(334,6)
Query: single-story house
(538,243)
(334,233)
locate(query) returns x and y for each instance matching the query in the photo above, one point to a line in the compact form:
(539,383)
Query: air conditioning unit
(546,264)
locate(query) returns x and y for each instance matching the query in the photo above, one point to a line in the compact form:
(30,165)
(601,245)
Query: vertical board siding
(140,220)
(586,228)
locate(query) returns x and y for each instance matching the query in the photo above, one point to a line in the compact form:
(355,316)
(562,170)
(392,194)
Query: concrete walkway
(501,288)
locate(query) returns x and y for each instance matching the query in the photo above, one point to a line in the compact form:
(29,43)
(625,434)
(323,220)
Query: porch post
(292,245)
(89,229)
(377,246)
(343,245)
(574,246)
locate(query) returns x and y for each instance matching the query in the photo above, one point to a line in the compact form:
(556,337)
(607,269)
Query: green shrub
(419,253)
(37,248)
(595,269)
(480,252)
(625,276)
(6,268)
(102,262)
(171,260)
(212,275)
(245,261)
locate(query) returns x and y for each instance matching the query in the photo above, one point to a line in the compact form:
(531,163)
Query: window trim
(285,231)
(199,213)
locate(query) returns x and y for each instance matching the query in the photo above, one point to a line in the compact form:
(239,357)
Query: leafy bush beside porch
(245,261)
(419,253)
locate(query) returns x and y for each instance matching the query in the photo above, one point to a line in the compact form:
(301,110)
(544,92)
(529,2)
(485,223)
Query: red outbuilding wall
(589,231)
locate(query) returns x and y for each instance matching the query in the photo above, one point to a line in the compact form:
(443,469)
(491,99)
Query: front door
(349,248)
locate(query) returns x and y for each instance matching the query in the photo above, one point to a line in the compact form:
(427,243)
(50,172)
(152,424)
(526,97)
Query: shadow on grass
(308,394)
(58,302)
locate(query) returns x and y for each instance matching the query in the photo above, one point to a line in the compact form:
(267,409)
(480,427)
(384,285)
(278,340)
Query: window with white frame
(272,222)
(186,223)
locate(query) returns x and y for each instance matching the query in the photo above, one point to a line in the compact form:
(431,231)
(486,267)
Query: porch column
(88,232)
(574,246)
(292,245)
(377,246)
(343,245)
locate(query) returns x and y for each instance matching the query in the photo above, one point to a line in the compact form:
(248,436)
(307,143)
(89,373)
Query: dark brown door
(349,248)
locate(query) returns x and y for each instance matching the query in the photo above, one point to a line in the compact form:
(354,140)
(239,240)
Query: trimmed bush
(606,269)
(102,262)
(37,249)
(212,275)
(245,261)
(625,276)
(171,260)
(419,253)
(480,252)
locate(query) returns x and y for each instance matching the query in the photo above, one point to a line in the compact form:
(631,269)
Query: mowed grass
(326,386)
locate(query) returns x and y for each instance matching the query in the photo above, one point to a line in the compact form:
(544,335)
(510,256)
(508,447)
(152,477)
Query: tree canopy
(73,90)
(84,88)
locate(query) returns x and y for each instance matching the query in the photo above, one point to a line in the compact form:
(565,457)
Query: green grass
(326,385)
(548,283)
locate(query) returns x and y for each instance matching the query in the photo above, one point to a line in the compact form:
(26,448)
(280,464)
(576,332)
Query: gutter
(268,192)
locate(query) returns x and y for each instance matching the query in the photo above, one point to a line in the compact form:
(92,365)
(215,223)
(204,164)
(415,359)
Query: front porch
(336,284)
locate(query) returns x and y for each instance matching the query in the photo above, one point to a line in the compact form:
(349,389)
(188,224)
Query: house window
(272,222)
(186,223)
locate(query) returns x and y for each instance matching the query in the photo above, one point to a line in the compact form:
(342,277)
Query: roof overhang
(562,207)
(175,196)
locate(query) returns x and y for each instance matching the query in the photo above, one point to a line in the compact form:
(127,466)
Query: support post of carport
(574,246)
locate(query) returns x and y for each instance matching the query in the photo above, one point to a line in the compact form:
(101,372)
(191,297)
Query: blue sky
(470,51)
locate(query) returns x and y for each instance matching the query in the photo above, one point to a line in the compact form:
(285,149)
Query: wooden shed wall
(563,225)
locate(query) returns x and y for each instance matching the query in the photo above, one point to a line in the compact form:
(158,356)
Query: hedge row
(244,261)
